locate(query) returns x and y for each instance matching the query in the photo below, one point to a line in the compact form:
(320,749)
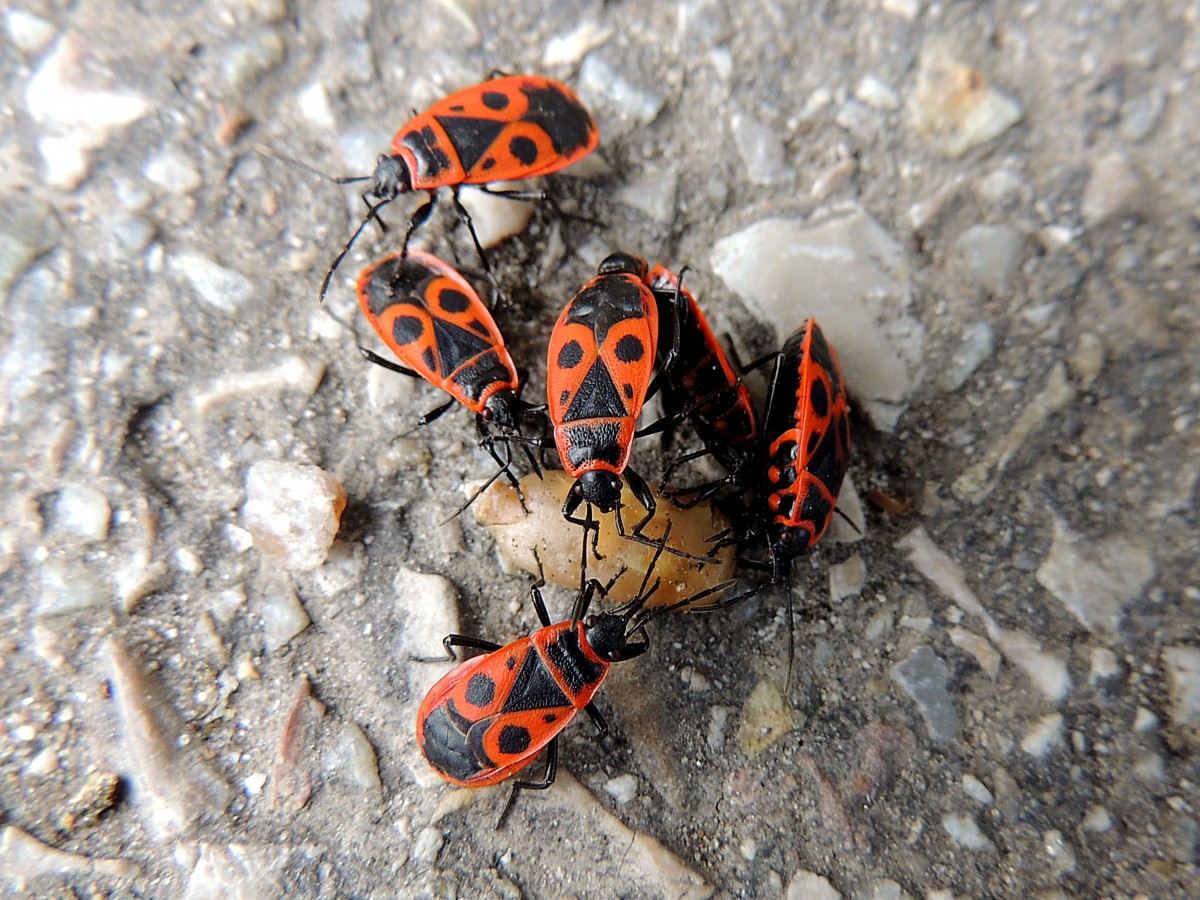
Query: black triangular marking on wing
(455,345)
(597,397)
(534,687)
(470,137)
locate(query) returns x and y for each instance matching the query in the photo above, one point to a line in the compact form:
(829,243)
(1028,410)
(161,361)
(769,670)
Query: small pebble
(978,342)
(1140,115)
(430,606)
(253,784)
(44,763)
(761,149)
(354,755)
(1113,190)
(977,790)
(314,105)
(428,845)
(1144,720)
(965,832)
(174,171)
(878,625)
(766,717)
(1095,579)
(859,120)
(283,617)
(653,193)
(221,288)
(985,654)
(748,848)
(1104,664)
(568,49)
(1062,855)
(28,229)
(883,889)
(718,720)
(494,218)
(874,92)
(1044,736)
(623,788)
(1086,360)
(1183,674)
(83,511)
(925,677)
(293,512)
(28,32)
(846,579)
(1097,819)
(598,79)
(990,254)
(291,373)
(807,885)
(953,106)
(906,9)
(245,61)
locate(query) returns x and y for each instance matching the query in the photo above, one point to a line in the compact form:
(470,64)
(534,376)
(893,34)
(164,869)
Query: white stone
(23,857)
(1095,579)
(283,617)
(1097,819)
(28,32)
(1183,671)
(222,288)
(965,832)
(293,512)
(990,254)
(846,579)
(1113,189)
(428,845)
(44,763)
(225,604)
(1062,855)
(430,607)
(977,344)
(653,193)
(1144,720)
(354,755)
(313,102)
(598,80)
(568,49)
(1045,735)
(237,872)
(906,9)
(290,373)
(1104,664)
(849,526)
(494,218)
(977,790)
(953,105)
(853,277)
(63,97)
(874,92)
(174,171)
(761,149)
(807,885)
(253,784)
(985,654)
(83,511)
(623,788)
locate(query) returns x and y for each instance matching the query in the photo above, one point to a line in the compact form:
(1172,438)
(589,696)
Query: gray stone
(1113,190)
(853,277)
(965,832)
(293,512)
(246,60)
(1140,115)
(807,885)
(977,344)
(221,288)
(601,81)
(174,171)
(1183,672)
(991,254)
(925,677)
(28,229)
(761,149)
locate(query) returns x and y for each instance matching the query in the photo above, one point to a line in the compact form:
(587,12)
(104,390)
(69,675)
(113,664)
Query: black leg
(373,213)
(419,218)
(373,357)
(598,720)
(547,780)
(451,641)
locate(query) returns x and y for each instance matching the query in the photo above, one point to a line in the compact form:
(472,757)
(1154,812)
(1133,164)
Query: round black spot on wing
(630,349)
(524,149)
(819,398)
(489,163)
(549,717)
(407,329)
(453,300)
(514,739)
(495,100)
(481,690)
(563,398)
(510,663)
(570,355)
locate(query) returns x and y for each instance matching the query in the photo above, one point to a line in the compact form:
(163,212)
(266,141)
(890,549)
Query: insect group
(631,332)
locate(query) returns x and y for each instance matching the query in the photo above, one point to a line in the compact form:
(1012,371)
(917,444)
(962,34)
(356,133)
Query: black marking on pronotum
(568,657)
(431,159)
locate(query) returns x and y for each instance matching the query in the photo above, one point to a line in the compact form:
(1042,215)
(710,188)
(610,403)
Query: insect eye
(487,414)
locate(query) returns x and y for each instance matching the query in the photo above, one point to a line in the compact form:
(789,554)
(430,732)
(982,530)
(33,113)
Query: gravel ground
(991,208)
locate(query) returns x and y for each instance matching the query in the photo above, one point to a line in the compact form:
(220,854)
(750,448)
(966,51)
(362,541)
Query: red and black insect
(440,330)
(702,387)
(505,129)
(601,364)
(491,716)
(805,453)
